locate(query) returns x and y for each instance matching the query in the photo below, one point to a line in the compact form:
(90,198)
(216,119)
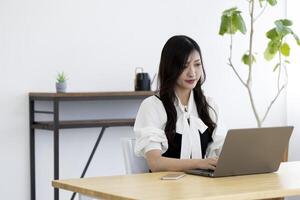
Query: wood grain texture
(285,182)
(76,96)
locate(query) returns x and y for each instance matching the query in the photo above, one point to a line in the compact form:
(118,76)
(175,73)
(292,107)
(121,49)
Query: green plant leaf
(230,11)
(276,36)
(267,55)
(239,23)
(231,22)
(296,38)
(276,67)
(246,59)
(61,77)
(225,25)
(286,61)
(285,49)
(273,46)
(281,29)
(272,2)
(232,29)
(286,22)
(272,34)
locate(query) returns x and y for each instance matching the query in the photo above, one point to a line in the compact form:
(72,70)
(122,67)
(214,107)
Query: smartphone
(173,176)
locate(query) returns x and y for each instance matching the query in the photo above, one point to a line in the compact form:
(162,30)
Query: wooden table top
(284,182)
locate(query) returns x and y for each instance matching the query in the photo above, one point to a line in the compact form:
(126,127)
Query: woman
(176,129)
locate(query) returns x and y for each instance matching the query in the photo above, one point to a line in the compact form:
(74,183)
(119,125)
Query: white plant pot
(61,87)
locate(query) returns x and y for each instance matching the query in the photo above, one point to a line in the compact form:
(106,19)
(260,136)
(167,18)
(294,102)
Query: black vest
(175,150)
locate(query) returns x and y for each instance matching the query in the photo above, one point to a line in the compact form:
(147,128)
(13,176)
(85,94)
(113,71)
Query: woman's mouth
(190,81)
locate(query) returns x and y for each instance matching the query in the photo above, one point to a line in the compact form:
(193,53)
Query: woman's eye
(197,64)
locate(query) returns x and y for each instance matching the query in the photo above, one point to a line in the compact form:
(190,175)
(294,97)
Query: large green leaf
(225,25)
(281,29)
(272,34)
(285,49)
(267,55)
(239,23)
(272,2)
(232,29)
(286,22)
(274,46)
(272,49)
(246,59)
(231,22)
(230,11)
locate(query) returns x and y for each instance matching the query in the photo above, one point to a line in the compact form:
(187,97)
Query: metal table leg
(91,156)
(32,149)
(56,146)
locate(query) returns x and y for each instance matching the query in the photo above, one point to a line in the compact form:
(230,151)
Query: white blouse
(151,121)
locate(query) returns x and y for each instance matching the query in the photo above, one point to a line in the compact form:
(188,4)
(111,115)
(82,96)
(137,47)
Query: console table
(55,125)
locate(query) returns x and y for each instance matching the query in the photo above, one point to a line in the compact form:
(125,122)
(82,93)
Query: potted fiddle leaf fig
(278,48)
(61,83)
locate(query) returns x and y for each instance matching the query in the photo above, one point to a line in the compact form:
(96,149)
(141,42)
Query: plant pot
(61,87)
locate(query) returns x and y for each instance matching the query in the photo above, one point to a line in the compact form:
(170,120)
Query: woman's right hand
(207,163)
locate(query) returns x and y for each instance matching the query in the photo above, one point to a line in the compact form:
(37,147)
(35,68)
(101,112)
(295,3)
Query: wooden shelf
(77,96)
(49,125)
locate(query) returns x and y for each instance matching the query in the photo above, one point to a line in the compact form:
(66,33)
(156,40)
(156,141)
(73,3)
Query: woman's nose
(192,71)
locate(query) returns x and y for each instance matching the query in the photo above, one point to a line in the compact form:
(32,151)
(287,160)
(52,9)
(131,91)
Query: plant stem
(251,3)
(258,121)
(279,70)
(230,47)
(279,89)
(236,73)
(261,12)
(230,58)
(272,102)
(286,74)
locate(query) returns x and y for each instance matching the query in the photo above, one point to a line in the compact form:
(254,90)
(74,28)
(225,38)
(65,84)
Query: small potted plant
(61,83)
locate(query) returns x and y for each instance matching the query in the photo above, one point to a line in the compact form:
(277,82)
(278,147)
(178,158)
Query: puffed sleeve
(149,127)
(218,136)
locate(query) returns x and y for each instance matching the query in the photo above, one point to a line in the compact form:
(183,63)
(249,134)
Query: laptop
(250,151)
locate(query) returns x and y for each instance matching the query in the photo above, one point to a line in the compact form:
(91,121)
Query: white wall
(99,44)
(293,97)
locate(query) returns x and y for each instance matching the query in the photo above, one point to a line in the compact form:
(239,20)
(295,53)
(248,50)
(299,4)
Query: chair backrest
(133,163)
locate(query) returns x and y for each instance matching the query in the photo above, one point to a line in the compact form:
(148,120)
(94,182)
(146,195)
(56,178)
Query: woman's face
(191,74)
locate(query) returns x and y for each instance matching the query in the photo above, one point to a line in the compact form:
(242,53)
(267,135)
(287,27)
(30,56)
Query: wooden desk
(285,182)
(56,124)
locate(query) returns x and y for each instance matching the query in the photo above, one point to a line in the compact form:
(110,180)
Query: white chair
(133,163)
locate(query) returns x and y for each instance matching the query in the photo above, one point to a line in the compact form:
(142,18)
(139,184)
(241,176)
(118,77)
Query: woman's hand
(208,163)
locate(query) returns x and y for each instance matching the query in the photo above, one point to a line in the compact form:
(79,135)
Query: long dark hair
(174,55)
